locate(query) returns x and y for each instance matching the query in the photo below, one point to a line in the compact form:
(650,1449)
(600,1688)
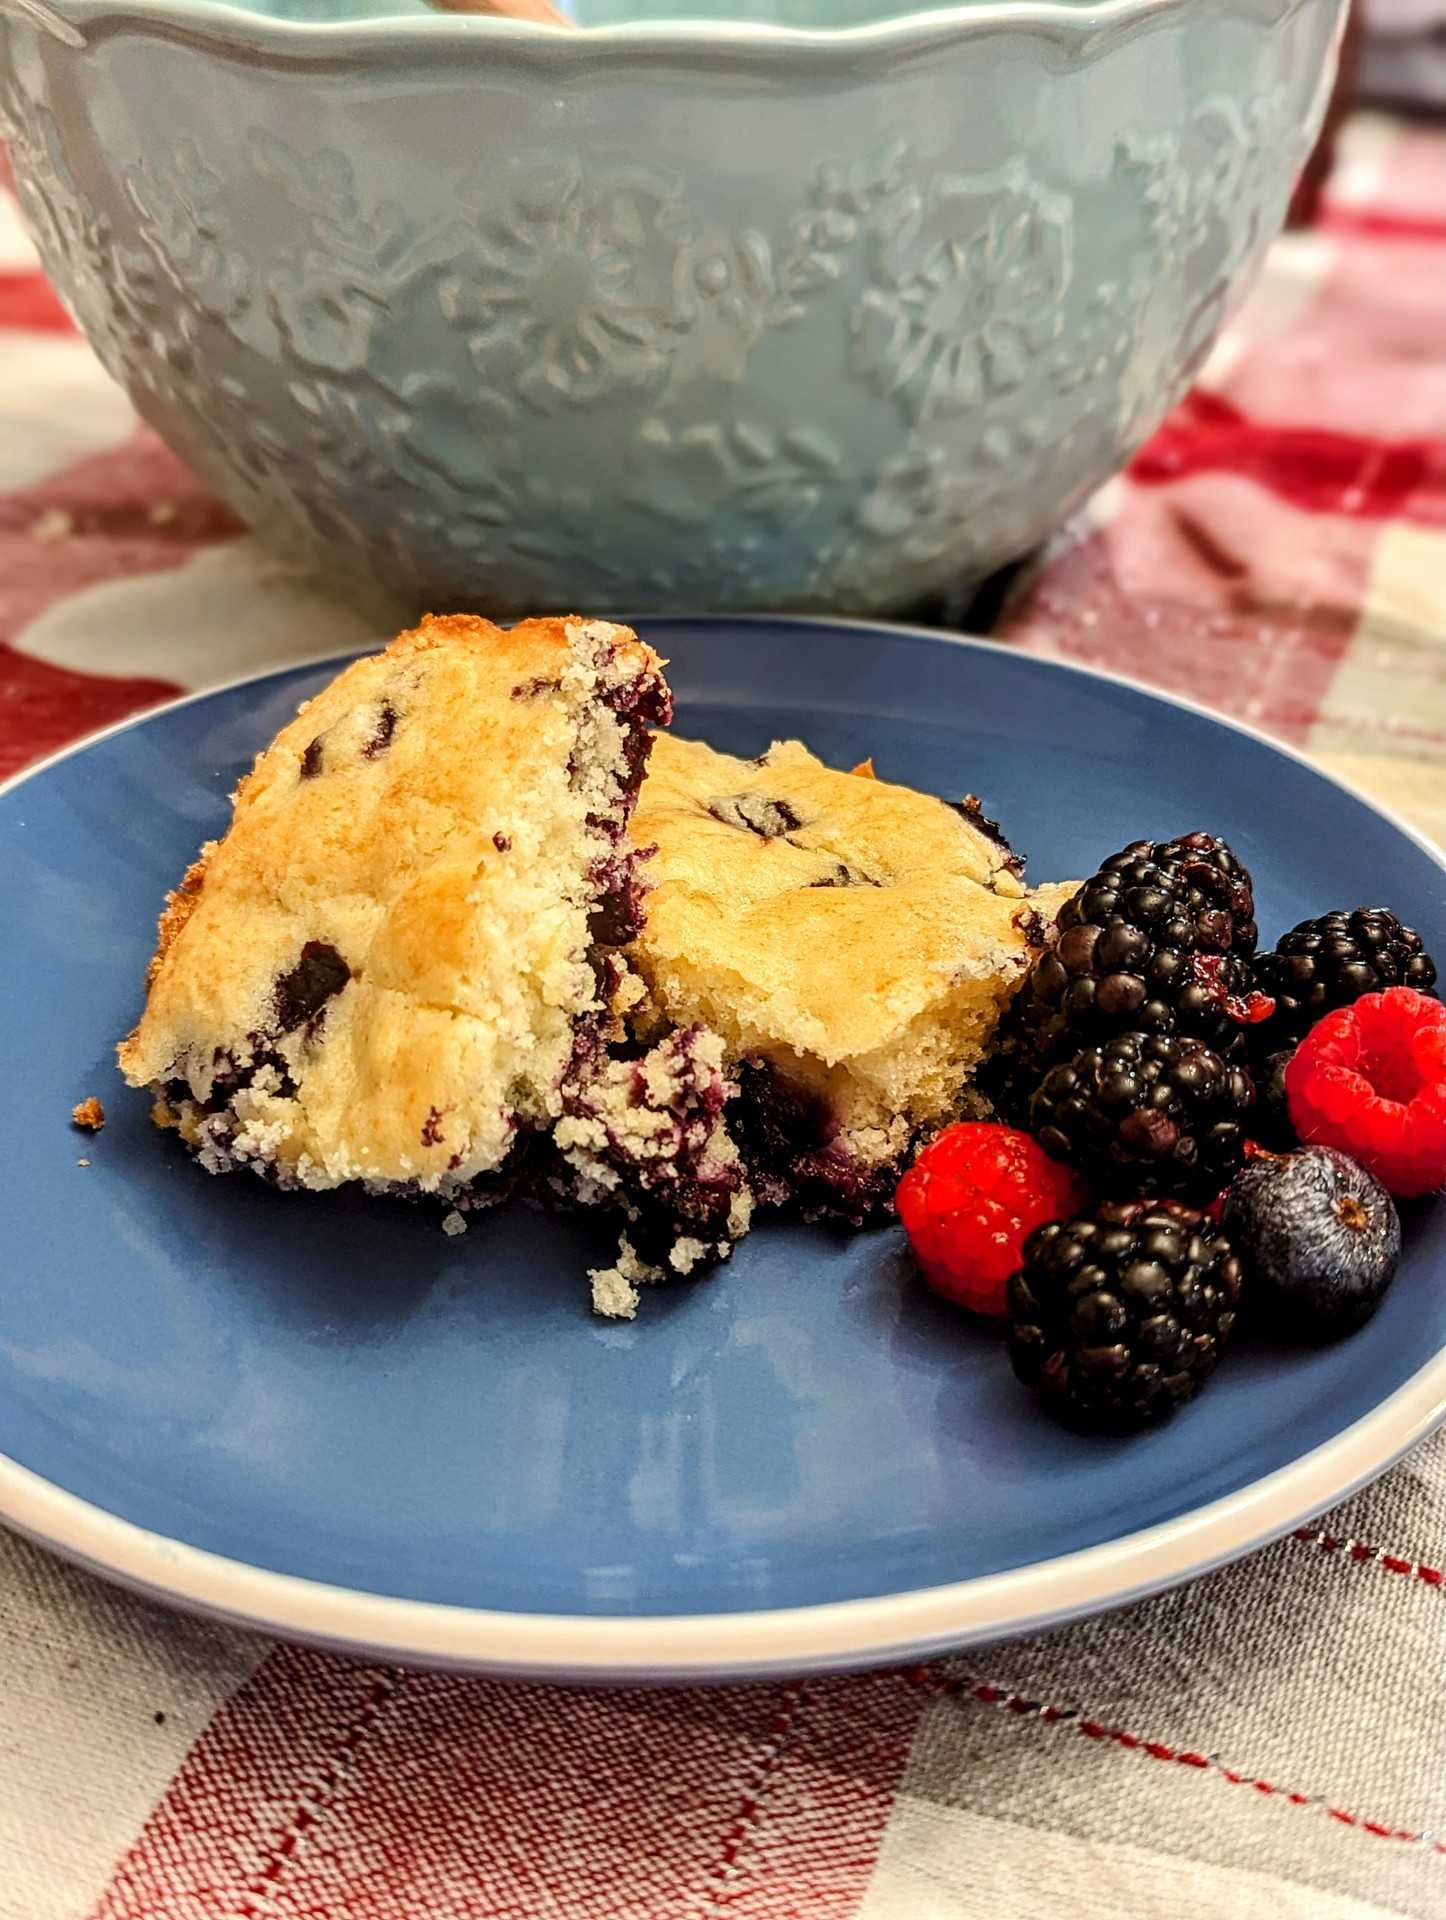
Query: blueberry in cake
(850,943)
(429,956)
(646,1135)
(403,949)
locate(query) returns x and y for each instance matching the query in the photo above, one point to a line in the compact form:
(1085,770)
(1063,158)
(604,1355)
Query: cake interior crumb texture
(381,973)
(454,943)
(853,943)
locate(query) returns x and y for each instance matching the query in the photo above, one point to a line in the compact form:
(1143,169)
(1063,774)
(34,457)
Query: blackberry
(1272,1125)
(1330,962)
(1217,879)
(1118,1317)
(1158,941)
(1146,1114)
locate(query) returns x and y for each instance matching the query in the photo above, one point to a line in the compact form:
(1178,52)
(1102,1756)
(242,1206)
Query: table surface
(1270,1740)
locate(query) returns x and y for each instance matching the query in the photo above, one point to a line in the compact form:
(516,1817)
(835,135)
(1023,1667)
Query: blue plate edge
(629,1665)
(565,1627)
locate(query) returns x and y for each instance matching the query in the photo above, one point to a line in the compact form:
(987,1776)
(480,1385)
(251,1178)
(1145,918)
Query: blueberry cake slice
(404,946)
(852,944)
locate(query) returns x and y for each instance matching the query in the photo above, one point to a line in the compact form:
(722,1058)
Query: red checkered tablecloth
(1270,1741)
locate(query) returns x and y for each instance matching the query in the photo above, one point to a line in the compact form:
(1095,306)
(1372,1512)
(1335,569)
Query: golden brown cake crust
(860,937)
(180,904)
(397,915)
(840,904)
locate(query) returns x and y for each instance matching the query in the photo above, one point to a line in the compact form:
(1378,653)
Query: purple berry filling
(317,976)
(646,699)
(382,734)
(681,1185)
(1035,928)
(970,808)
(845,876)
(618,914)
(789,1141)
(756,813)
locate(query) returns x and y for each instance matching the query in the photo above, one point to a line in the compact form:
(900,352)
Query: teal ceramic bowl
(664,312)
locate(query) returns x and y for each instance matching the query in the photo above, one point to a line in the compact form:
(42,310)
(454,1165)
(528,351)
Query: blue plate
(323,1415)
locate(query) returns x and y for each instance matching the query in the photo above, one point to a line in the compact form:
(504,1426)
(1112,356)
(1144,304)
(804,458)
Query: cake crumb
(82,1163)
(615,1289)
(454,1224)
(88,1114)
(613,1295)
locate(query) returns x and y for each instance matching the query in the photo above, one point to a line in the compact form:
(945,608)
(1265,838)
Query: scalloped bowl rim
(244,29)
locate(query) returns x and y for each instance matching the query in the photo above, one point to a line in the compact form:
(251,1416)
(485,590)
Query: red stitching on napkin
(745,1822)
(320,1792)
(987,1694)
(1364,1555)
(467,1799)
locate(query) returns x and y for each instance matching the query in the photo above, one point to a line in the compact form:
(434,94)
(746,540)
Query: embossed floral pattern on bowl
(708,314)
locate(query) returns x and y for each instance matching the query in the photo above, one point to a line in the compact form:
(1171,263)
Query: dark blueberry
(432,1128)
(756,813)
(1320,1238)
(382,733)
(832,1183)
(774,1122)
(317,976)
(311,759)
(692,1212)
(775,1118)
(502,842)
(788,1139)
(618,913)
(637,746)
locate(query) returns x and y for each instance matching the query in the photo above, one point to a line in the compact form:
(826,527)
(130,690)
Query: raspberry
(972,1199)
(1370,1079)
